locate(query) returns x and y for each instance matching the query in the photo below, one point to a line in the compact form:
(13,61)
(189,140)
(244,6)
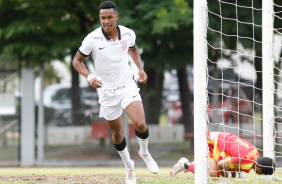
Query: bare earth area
(88,175)
(71,179)
(85,179)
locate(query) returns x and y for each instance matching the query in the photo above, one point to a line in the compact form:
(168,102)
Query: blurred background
(43,37)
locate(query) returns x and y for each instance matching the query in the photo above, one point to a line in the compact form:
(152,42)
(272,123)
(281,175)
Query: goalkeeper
(228,152)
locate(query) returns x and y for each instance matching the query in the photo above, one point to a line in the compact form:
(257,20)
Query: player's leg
(116,127)
(184,165)
(119,141)
(135,112)
(112,114)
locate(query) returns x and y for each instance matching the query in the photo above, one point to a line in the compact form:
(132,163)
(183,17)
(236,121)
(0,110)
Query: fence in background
(9,111)
(88,142)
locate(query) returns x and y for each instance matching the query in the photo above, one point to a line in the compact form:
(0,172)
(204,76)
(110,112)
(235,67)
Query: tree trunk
(152,94)
(187,118)
(4,77)
(215,100)
(77,115)
(258,85)
(258,67)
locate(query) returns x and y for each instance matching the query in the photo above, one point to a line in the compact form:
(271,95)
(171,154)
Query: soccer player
(228,152)
(117,88)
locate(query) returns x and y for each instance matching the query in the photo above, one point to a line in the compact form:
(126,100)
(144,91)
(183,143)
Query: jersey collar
(119,36)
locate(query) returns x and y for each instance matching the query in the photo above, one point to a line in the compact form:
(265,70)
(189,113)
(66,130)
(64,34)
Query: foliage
(39,31)
(163,29)
(236,23)
(165,34)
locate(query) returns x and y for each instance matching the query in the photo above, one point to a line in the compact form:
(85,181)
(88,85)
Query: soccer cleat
(130,175)
(150,162)
(179,166)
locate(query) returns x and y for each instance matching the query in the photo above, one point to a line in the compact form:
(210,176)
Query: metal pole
(27,119)
(40,126)
(200,98)
(268,79)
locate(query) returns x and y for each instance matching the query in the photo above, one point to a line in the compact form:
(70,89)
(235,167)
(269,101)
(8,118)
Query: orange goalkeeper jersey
(241,153)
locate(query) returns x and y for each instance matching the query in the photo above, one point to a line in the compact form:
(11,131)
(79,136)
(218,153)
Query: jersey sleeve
(210,149)
(210,146)
(236,164)
(132,39)
(86,48)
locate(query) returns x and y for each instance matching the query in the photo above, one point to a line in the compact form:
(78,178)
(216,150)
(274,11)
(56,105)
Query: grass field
(109,175)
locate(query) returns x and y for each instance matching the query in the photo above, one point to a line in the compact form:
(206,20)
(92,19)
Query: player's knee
(140,125)
(117,136)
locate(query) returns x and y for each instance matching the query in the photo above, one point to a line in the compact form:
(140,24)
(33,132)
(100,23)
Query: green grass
(112,175)
(85,175)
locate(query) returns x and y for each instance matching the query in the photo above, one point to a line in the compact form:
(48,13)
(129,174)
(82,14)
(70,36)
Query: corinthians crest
(123,45)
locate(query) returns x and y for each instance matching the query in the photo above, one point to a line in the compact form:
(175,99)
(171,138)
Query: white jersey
(111,59)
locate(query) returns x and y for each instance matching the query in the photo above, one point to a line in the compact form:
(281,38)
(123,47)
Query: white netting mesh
(234,73)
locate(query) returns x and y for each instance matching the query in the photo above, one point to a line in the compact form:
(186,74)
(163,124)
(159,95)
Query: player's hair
(266,164)
(108,5)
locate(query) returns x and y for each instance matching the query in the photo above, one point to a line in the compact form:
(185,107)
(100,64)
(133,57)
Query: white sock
(124,154)
(143,143)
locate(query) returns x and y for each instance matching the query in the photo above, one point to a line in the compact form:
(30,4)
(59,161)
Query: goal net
(243,73)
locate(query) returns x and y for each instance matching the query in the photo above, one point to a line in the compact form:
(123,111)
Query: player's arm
(135,55)
(212,168)
(223,167)
(81,68)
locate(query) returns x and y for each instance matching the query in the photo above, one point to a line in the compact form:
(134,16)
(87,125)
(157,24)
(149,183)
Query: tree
(39,31)
(238,26)
(164,32)
(249,24)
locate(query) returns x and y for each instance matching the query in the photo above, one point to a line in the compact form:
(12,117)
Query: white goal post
(200,103)
(268,78)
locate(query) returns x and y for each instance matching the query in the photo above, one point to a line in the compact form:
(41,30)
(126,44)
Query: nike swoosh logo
(134,96)
(100,48)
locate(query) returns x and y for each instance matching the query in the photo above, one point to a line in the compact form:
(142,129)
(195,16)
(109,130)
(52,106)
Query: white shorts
(112,106)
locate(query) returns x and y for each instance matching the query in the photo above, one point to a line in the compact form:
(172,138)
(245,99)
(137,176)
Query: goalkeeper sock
(190,167)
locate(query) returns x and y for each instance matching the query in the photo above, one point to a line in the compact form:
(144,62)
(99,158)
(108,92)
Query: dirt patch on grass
(71,179)
(91,179)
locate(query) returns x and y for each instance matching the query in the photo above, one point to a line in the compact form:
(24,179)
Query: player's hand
(96,82)
(242,175)
(231,174)
(143,76)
